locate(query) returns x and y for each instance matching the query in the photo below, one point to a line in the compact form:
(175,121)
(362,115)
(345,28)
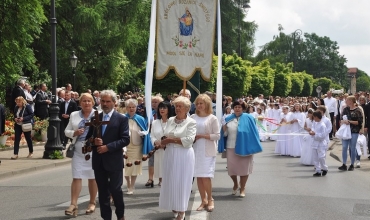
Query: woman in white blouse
(157,132)
(178,160)
(208,133)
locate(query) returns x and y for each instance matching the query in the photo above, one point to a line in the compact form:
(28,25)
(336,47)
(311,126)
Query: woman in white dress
(282,144)
(208,133)
(81,168)
(178,160)
(297,121)
(306,155)
(157,132)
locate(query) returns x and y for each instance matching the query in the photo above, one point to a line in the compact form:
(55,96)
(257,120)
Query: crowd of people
(183,138)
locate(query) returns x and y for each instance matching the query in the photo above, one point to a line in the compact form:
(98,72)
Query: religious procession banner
(185,37)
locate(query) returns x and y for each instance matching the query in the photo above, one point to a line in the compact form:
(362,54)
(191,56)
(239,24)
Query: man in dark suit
(42,103)
(107,159)
(17,91)
(66,108)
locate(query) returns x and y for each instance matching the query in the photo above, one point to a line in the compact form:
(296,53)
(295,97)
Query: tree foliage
(325,84)
(297,84)
(282,80)
(307,84)
(262,79)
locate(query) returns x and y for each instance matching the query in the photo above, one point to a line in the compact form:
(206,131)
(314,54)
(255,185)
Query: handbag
(26,127)
(344,131)
(70,150)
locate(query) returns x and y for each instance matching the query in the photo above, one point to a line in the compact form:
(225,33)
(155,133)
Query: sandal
(211,207)
(71,211)
(149,183)
(90,208)
(202,206)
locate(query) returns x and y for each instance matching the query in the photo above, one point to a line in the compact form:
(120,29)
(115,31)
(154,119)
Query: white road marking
(194,214)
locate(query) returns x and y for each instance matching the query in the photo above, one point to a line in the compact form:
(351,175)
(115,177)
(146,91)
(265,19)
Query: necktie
(106,117)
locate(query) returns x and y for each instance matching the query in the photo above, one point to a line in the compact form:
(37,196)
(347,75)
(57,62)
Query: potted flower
(9,130)
(41,126)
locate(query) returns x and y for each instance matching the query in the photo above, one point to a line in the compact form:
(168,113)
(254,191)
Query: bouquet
(9,128)
(41,125)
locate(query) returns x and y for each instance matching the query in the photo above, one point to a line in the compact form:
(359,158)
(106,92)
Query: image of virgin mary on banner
(185,37)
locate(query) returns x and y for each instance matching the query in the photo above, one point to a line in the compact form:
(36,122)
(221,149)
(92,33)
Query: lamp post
(296,33)
(73,61)
(244,7)
(53,143)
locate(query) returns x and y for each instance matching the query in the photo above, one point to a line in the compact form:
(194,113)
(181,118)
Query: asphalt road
(279,188)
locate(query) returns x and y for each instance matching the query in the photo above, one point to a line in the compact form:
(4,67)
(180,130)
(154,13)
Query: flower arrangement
(9,128)
(41,125)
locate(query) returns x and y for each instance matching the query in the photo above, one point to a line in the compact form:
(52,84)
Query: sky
(346,22)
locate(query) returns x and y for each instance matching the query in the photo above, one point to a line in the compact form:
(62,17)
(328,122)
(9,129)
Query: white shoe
(358,164)
(130,191)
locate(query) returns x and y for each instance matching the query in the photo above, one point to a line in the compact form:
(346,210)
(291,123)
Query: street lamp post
(296,33)
(243,7)
(53,143)
(73,61)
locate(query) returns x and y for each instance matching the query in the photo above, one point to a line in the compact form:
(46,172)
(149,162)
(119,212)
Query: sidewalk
(336,153)
(10,168)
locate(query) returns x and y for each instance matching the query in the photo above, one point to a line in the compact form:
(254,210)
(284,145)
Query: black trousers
(17,138)
(332,123)
(110,182)
(337,122)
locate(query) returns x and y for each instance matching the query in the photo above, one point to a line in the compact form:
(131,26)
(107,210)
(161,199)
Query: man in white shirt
(331,106)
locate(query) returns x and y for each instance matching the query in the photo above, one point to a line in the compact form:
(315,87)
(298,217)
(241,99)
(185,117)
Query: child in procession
(319,144)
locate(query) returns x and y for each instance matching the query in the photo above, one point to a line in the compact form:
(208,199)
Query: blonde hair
(207,101)
(352,98)
(20,98)
(87,95)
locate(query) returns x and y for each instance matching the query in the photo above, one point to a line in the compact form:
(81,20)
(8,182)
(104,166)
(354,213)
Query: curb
(33,169)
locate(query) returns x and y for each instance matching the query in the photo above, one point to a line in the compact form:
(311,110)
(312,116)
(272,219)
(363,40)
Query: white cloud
(343,21)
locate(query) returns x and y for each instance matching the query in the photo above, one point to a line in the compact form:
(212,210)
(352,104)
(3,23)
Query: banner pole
(184,88)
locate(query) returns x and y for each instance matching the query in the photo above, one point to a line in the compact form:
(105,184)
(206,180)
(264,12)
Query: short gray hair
(21,81)
(131,101)
(110,93)
(183,100)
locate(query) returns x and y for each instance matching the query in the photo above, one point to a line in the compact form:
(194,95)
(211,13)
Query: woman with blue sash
(139,145)
(240,139)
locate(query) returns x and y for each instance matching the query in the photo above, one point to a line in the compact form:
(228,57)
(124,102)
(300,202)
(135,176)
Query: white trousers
(319,159)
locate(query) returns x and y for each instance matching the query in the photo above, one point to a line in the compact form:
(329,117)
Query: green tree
(235,75)
(231,14)
(363,83)
(325,84)
(262,79)
(107,35)
(297,84)
(307,84)
(282,80)
(20,24)
(318,56)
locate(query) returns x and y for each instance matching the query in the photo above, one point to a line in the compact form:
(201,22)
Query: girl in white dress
(306,155)
(281,147)
(208,133)
(274,113)
(261,125)
(297,121)
(157,132)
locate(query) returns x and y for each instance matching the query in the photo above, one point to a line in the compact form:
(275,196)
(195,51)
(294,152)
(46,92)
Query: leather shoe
(123,218)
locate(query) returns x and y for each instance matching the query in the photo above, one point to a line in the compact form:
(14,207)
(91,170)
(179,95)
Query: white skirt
(306,157)
(178,171)
(204,166)
(81,169)
(158,163)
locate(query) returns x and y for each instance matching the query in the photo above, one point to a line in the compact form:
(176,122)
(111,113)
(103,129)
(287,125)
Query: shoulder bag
(70,150)
(26,127)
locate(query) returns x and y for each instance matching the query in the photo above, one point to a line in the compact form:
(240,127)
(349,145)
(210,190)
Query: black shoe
(317,174)
(343,168)
(324,172)
(351,168)
(150,183)
(368,157)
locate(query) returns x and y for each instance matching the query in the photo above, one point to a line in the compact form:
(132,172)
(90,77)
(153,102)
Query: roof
(352,70)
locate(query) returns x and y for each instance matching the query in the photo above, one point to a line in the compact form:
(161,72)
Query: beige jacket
(212,128)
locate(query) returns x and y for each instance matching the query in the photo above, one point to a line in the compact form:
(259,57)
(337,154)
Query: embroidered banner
(185,37)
